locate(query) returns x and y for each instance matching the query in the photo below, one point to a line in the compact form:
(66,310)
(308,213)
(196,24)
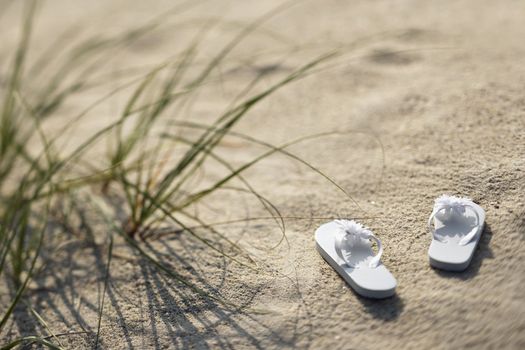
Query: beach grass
(37,182)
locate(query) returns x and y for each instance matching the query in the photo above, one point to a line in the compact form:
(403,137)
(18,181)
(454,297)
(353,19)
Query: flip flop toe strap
(449,208)
(351,233)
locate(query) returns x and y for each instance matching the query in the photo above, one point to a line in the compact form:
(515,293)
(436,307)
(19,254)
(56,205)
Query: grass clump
(43,186)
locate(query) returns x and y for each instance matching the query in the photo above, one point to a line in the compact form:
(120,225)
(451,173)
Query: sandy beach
(421,99)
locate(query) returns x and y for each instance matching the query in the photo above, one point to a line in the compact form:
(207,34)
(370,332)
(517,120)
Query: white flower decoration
(450,207)
(354,232)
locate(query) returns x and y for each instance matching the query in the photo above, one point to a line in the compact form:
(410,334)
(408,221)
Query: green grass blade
(43,323)
(23,286)
(106,282)
(29,340)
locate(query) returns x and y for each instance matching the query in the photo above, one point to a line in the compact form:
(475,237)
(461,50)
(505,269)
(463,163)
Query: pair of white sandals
(455,224)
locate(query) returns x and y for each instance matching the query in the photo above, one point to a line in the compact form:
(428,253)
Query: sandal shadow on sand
(456,225)
(346,246)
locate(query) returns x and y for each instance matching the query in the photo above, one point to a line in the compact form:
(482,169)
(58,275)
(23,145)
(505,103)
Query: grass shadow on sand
(189,321)
(482,252)
(163,315)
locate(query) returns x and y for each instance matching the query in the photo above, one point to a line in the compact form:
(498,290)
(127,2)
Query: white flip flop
(456,225)
(346,246)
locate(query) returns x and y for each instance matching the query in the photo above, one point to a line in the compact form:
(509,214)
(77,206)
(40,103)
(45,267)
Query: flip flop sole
(451,256)
(375,283)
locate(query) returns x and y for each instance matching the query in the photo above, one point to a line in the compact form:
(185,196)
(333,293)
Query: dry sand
(440,84)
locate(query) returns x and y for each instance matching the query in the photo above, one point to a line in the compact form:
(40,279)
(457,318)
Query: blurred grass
(153,189)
